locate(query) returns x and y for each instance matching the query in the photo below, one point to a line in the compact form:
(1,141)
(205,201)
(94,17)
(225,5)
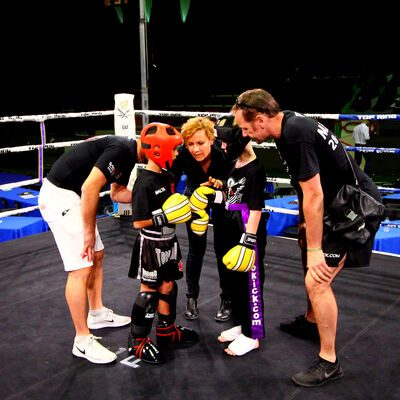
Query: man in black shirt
(318,167)
(68,201)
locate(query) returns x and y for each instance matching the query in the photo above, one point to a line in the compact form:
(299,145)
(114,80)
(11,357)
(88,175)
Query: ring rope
(44,117)
(39,146)
(389,224)
(377,150)
(288,181)
(32,208)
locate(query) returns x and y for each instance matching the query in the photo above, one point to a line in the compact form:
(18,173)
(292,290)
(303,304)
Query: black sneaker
(301,328)
(145,349)
(318,374)
(175,336)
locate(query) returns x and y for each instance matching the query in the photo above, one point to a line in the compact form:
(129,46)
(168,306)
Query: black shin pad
(143,312)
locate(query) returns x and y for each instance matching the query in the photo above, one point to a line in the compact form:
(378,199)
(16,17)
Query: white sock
(79,340)
(96,313)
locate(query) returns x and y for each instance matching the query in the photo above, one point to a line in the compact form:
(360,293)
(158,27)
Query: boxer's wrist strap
(159,218)
(249,240)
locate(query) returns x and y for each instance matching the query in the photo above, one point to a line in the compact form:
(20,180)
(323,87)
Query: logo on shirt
(159,191)
(235,190)
(113,171)
(324,132)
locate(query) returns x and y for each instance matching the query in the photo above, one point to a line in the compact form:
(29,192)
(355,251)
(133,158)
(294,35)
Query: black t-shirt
(186,164)
(308,148)
(115,156)
(245,185)
(149,193)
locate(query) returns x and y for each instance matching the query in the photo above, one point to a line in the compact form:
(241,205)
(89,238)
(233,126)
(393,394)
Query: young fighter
(156,257)
(245,231)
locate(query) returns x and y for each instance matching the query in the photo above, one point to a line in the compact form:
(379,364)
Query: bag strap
(351,166)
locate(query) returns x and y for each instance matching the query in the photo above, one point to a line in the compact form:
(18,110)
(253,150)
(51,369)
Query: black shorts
(335,248)
(156,259)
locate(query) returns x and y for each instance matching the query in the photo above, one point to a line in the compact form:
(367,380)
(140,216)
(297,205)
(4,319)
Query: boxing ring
(35,341)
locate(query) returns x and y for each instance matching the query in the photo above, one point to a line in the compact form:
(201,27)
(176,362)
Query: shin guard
(139,344)
(143,312)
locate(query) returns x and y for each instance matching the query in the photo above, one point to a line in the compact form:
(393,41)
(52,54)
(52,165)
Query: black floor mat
(37,331)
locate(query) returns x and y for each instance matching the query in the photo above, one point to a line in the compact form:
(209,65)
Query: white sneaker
(107,319)
(93,351)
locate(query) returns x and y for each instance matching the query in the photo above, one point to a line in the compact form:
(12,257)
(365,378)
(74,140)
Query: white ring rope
(287,181)
(45,117)
(281,210)
(39,146)
(32,208)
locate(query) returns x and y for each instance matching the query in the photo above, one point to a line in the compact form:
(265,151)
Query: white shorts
(61,209)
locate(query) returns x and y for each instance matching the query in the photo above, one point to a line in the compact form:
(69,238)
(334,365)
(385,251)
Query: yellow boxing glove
(175,210)
(242,257)
(203,196)
(199,225)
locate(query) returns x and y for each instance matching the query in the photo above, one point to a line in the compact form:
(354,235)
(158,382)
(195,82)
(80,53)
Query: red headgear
(158,143)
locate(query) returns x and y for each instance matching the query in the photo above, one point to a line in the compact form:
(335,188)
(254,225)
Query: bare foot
(228,351)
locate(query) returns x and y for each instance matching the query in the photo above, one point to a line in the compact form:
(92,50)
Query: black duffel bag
(353,214)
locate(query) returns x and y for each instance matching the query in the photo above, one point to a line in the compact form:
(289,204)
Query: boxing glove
(203,196)
(199,225)
(175,210)
(242,257)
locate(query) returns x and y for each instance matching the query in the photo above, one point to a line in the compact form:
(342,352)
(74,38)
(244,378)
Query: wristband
(219,197)
(315,249)
(248,240)
(159,218)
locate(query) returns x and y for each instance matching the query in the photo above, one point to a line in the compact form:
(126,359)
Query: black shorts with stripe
(156,258)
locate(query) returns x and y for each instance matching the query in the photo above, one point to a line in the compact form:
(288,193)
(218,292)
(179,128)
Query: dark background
(75,55)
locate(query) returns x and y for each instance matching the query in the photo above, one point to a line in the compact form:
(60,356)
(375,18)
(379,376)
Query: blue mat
(10,178)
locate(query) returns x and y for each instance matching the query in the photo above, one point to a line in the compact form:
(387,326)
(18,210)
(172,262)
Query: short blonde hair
(192,125)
